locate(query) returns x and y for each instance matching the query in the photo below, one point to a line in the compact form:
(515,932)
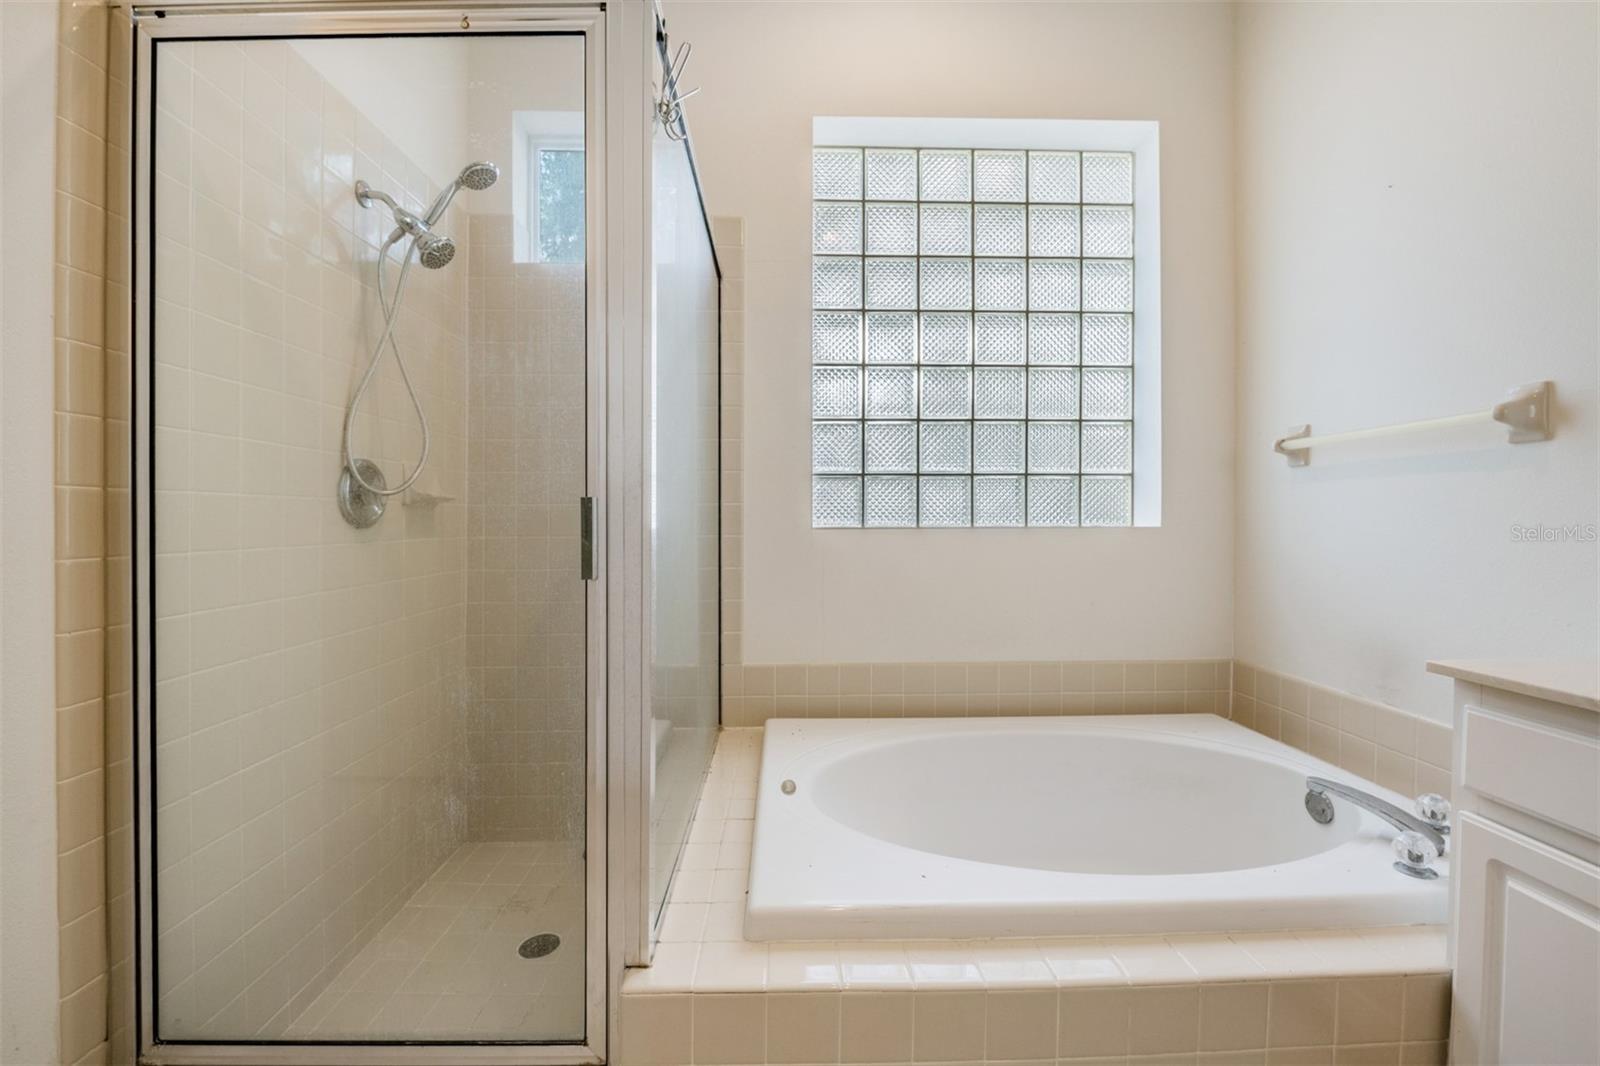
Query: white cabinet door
(1527,980)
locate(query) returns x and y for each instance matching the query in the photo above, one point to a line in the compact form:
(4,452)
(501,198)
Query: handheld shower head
(478,176)
(434,251)
(475,176)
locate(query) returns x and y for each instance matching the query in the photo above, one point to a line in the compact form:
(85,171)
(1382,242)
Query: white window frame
(535,132)
(1142,139)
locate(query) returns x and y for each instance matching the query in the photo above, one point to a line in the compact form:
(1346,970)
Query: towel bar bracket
(1525,412)
(1296,456)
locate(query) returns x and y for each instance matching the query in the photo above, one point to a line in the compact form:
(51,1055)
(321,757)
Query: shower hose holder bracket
(359,507)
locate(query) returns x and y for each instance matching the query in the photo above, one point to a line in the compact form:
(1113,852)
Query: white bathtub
(982,827)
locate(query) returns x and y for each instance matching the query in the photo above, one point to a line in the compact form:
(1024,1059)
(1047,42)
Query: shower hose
(391,311)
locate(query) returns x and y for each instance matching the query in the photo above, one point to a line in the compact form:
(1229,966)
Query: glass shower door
(685,528)
(368,699)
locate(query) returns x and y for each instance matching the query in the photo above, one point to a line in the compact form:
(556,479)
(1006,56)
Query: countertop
(1574,682)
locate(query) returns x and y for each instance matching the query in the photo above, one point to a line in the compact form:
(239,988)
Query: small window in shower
(548,181)
(558,215)
(984,323)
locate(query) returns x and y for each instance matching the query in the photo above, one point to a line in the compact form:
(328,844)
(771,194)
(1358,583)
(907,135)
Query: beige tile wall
(1390,1020)
(310,677)
(754,693)
(87,148)
(1394,748)
(727,233)
(525,599)
(121,902)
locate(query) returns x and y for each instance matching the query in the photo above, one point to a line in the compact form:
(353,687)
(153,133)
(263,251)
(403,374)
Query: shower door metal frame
(253,19)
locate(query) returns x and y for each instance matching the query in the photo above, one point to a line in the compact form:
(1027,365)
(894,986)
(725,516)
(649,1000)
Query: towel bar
(1525,414)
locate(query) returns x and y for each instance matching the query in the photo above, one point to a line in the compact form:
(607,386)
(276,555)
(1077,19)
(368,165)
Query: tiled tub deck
(1331,997)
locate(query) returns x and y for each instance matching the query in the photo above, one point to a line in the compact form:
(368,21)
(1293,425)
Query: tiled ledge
(1374,995)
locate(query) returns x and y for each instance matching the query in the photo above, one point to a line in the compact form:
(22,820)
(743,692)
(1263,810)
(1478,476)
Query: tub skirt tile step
(1395,1021)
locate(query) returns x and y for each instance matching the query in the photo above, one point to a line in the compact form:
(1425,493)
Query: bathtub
(993,827)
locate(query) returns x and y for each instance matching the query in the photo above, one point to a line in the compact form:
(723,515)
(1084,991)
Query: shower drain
(537,947)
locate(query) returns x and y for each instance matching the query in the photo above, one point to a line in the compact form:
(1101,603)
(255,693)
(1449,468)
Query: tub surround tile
(658,1029)
(1426,1013)
(671,971)
(802,1028)
(1164,1020)
(1151,961)
(728,236)
(869,965)
(804,967)
(1082,960)
(735,966)
(1301,1013)
(1021,1025)
(755,692)
(1233,1016)
(730,1029)
(1214,957)
(948,1026)
(876,1027)
(1285,998)
(1424,1053)
(1370,1011)
(1300,1056)
(941,966)
(1093,1022)
(1391,747)
(1013,964)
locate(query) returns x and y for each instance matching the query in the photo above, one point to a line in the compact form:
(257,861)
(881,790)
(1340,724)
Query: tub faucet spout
(1320,807)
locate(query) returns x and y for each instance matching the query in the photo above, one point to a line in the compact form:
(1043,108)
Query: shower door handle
(586,537)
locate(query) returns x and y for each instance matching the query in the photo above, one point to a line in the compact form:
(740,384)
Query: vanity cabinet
(1525,893)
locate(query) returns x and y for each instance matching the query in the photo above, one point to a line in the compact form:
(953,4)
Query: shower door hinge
(586,537)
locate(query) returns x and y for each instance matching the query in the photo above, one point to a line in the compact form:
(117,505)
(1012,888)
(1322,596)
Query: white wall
(28,949)
(864,595)
(413,89)
(1416,219)
(508,75)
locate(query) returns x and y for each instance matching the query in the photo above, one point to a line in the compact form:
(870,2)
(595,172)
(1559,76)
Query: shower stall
(425,507)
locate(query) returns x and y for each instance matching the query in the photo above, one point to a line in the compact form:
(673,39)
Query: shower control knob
(1414,855)
(1435,810)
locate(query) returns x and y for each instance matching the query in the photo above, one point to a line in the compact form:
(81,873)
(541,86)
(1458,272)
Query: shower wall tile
(727,234)
(88,497)
(525,608)
(311,689)
(1386,745)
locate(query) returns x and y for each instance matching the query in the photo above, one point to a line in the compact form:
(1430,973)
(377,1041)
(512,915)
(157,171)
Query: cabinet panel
(1528,951)
(1546,772)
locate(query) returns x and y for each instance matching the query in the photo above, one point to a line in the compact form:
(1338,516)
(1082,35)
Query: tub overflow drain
(537,947)
(787,787)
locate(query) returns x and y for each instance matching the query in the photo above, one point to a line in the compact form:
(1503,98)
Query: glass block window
(971,337)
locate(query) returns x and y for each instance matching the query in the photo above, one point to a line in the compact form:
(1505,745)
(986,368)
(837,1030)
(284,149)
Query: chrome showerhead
(434,251)
(478,176)
(474,176)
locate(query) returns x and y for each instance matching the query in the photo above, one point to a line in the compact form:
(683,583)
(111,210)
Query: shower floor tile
(446,966)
